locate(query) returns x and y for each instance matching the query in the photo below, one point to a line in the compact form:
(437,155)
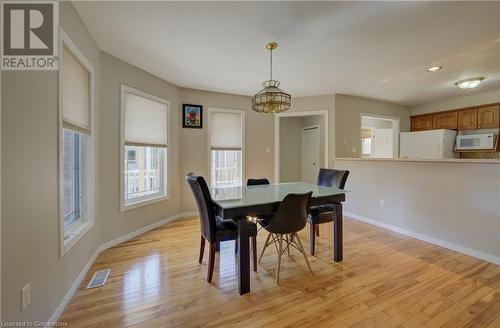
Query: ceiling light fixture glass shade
(469,83)
(271,99)
(434,68)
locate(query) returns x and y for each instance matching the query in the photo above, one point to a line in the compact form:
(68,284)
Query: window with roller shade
(226,141)
(76,78)
(144,147)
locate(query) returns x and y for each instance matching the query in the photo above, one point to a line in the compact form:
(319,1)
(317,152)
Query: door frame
(396,130)
(277,118)
(312,127)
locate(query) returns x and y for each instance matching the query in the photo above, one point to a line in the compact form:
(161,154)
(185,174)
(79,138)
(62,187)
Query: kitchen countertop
(448,160)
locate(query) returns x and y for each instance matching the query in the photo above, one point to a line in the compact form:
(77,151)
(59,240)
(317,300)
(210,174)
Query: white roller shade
(145,121)
(75,93)
(226,131)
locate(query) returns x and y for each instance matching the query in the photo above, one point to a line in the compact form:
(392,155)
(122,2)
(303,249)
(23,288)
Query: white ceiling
(371,49)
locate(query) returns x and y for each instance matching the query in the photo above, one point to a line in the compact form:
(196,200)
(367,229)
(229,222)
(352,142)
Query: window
(76,152)
(144,148)
(226,130)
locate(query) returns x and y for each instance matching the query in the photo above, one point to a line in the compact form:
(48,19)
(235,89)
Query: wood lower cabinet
(421,123)
(467,119)
(488,117)
(446,120)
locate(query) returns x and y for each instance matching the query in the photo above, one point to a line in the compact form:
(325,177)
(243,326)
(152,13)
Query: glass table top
(231,197)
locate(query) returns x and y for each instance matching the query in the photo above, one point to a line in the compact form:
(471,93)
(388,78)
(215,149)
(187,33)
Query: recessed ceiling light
(469,83)
(434,68)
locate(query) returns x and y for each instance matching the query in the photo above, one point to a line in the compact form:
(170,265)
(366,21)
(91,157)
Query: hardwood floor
(386,280)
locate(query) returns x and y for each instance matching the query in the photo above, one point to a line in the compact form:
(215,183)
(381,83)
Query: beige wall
(290,149)
(453,202)
(113,222)
(194,145)
(348,110)
(458,102)
(30,218)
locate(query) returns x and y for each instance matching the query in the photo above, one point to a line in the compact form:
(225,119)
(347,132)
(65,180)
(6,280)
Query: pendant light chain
(271,64)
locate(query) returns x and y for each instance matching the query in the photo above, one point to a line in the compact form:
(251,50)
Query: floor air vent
(99,278)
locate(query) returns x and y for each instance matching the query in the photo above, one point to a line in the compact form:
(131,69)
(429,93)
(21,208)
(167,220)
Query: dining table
(242,202)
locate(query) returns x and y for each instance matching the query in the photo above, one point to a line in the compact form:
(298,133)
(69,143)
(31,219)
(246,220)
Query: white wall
(457,203)
(468,99)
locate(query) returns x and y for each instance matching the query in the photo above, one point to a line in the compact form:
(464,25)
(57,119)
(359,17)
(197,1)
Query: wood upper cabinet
(421,123)
(467,119)
(446,120)
(488,117)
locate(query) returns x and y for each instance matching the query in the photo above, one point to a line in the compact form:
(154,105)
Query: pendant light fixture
(271,99)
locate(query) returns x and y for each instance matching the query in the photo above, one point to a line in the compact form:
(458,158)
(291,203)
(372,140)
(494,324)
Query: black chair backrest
(291,215)
(205,206)
(332,178)
(256,182)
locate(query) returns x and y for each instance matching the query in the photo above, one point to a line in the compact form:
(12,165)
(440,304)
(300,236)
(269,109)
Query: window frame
(144,201)
(212,110)
(69,236)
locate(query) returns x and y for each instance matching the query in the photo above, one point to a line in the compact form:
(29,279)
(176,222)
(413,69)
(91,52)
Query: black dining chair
(324,213)
(289,219)
(213,228)
(261,219)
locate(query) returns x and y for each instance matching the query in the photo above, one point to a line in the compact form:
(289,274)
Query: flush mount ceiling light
(271,99)
(469,83)
(434,68)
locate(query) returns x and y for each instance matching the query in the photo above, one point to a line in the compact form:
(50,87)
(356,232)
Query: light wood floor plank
(386,280)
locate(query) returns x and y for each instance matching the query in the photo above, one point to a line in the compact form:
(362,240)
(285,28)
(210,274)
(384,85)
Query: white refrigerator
(431,144)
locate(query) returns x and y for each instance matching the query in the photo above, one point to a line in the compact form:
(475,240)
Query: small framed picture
(192,116)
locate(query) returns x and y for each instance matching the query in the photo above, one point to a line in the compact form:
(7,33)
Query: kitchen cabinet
(467,119)
(488,117)
(446,120)
(421,123)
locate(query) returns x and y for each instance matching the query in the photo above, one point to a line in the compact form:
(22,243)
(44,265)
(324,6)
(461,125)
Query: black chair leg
(236,246)
(202,249)
(312,238)
(254,253)
(211,262)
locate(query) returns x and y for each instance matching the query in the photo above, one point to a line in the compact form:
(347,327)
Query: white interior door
(310,154)
(383,143)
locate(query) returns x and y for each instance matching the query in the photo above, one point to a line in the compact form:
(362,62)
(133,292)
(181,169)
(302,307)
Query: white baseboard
(74,287)
(76,284)
(454,247)
(145,229)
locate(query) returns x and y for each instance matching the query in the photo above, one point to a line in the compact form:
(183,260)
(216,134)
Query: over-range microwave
(484,141)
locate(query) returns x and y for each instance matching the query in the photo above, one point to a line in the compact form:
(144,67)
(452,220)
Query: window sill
(142,203)
(75,233)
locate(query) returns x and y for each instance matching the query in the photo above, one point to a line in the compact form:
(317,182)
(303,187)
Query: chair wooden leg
(202,249)
(317,230)
(265,246)
(303,252)
(254,253)
(312,238)
(211,262)
(280,252)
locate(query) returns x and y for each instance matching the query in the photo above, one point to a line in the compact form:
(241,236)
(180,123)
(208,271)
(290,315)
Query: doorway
(310,154)
(301,145)
(379,137)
